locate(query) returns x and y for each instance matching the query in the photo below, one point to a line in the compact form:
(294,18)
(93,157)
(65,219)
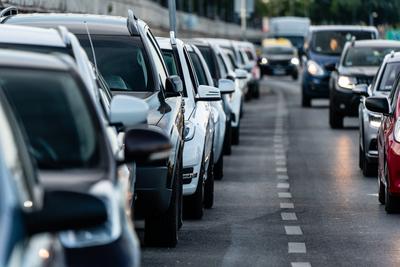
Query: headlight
(295,61)
(397,131)
(189,130)
(375,120)
(264,61)
(347,82)
(314,69)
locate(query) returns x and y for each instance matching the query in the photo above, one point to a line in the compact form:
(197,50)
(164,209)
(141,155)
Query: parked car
(107,40)
(322,49)
(198,156)
(217,71)
(369,122)
(358,64)
(388,146)
(69,143)
(226,87)
(251,65)
(279,59)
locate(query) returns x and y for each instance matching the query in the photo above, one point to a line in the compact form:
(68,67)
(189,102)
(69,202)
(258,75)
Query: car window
(38,48)
(332,42)
(206,52)
(389,76)
(121,60)
(60,127)
(231,59)
(250,55)
(198,67)
(223,69)
(193,77)
(158,59)
(366,56)
(394,94)
(172,67)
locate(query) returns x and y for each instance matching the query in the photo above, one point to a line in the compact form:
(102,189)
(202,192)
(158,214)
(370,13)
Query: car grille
(279,62)
(364,80)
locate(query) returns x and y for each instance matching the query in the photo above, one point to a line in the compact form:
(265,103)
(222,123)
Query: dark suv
(126,53)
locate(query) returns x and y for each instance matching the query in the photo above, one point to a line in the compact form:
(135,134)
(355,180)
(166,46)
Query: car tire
(381,193)
(162,230)
(369,169)
(256,91)
(193,205)
(391,202)
(335,120)
(360,157)
(295,76)
(228,139)
(209,185)
(235,135)
(305,101)
(219,168)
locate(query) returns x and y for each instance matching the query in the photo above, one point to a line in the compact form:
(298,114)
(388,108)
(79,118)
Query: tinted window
(206,52)
(55,116)
(389,76)
(37,48)
(332,42)
(221,63)
(250,55)
(278,50)
(121,60)
(366,56)
(198,67)
(170,62)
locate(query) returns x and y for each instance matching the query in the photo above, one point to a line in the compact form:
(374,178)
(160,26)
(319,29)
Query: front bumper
(344,102)
(278,70)
(315,86)
(192,159)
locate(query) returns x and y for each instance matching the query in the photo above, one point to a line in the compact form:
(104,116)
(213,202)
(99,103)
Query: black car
(110,42)
(358,64)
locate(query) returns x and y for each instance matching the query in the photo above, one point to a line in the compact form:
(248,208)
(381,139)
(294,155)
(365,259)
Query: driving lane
(292,195)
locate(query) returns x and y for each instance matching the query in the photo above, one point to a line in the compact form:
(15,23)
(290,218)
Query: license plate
(279,71)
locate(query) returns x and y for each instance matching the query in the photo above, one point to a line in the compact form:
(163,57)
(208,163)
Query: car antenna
(353,41)
(92,47)
(172,21)
(392,54)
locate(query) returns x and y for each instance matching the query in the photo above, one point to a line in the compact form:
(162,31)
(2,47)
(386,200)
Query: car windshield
(56,119)
(121,60)
(278,50)
(389,76)
(366,56)
(207,55)
(332,42)
(201,76)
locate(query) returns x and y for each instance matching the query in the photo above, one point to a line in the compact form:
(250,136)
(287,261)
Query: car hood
(358,71)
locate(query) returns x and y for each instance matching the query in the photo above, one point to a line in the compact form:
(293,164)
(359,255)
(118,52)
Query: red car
(388,147)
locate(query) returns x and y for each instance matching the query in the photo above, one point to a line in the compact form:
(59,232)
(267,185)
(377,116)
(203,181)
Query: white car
(226,87)
(198,158)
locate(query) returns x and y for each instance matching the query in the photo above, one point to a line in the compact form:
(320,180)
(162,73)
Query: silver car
(370,121)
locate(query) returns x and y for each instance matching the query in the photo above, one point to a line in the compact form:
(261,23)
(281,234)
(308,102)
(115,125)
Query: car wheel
(162,230)
(256,91)
(369,169)
(193,204)
(228,139)
(219,168)
(209,185)
(391,202)
(381,193)
(235,135)
(335,120)
(305,101)
(295,76)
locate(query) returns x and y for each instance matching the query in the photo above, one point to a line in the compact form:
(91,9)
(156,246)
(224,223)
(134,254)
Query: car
(388,146)
(69,144)
(322,50)
(29,214)
(358,64)
(107,40)
(210,54)
(226,87)
(251,65)
(198,156)
(369,122)
(279,59)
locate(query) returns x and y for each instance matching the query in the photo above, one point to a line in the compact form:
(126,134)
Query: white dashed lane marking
(293,230)
(287,205)
(282,177)
(284,195)
(281,169)
(288,216)
(283,185)
(301,264)
(297,247)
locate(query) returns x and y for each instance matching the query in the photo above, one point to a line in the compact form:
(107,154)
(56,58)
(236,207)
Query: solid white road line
(286,205)
(297,247)
(293,230)
(284,195)
(301,264)
(283,185)
(288,216)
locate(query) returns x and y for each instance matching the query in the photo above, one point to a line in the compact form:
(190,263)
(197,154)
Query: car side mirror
(226,86)
(378,104)
(173,86)
(63,210)
(208,93)
(330,67)
(241,74)
(146,145)
(360,89)
(128,111)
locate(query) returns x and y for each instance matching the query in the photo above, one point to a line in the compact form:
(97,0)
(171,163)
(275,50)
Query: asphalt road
(292,195)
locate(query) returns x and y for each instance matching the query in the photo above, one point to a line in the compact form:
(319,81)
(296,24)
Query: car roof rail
(132,23)
(63,31)
(11,11)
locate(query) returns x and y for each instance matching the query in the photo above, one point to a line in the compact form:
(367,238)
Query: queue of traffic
(102,125)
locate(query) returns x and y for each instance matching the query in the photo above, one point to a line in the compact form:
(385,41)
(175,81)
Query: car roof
(97,24)
(376,43)
(13,34)
(342,28)
(392,57)
(22,59)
